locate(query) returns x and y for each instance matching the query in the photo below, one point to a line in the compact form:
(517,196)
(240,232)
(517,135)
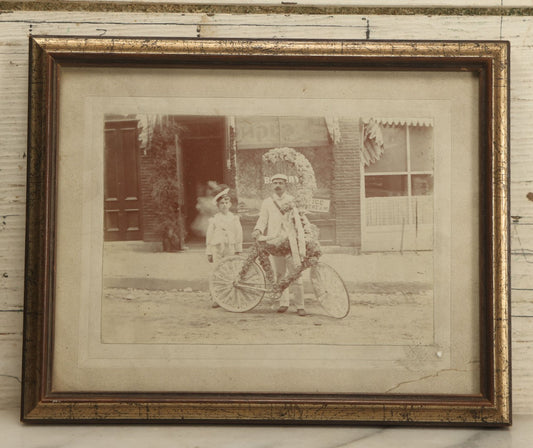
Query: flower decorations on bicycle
(305,244)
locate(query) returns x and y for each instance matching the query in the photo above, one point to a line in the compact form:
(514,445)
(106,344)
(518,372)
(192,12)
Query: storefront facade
(373,177)
(335,208)
(397,186)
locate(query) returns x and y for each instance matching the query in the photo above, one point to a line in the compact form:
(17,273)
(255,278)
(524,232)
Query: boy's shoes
(282,309)
(301,312)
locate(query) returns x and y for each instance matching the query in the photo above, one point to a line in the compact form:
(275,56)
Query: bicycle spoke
(233,291)
(222,289)
(220,282)
(235,268)
(237,298)
(246,295)
(251,287)
(229,268)
(250,294)
(226,293)
(226,279)
(330,291)
(320,276)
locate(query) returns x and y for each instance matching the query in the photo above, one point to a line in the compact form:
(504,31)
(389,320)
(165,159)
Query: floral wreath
(304,170)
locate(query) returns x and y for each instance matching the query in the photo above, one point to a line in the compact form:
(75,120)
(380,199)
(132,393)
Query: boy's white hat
(219,195)
(279,176)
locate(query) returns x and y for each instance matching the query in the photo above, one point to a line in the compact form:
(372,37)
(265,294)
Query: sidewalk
(142,266)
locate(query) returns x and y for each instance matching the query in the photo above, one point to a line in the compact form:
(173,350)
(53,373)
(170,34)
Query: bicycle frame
(239,283)
(260,252)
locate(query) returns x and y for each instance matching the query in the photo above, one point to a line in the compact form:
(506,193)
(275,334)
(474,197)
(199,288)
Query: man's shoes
(282,309)
(301,312)
(215,305)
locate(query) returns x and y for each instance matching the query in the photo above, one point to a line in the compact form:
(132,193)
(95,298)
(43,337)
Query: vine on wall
(165,185)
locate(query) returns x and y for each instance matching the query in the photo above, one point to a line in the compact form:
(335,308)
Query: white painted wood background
(16,26)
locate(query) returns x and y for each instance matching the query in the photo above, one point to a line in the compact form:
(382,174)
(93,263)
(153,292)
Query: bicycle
(239,283)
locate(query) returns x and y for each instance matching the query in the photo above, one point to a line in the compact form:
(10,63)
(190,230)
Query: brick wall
(347,183)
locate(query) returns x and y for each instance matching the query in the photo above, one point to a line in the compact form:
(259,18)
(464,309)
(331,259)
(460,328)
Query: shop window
(399,186)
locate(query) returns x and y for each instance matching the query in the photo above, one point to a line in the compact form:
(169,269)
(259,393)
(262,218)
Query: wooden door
(122,205)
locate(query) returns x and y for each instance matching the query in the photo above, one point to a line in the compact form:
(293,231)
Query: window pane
(421,210)
(385,186)
(421,139)
(394,156)
(421,184)
(393,211)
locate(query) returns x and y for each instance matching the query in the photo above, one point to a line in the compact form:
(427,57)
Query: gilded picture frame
(76,330)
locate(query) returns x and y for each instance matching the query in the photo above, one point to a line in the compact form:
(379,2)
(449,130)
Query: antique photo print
(275,231)
(184,192)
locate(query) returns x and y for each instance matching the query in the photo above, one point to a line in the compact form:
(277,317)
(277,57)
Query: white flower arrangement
(306,173)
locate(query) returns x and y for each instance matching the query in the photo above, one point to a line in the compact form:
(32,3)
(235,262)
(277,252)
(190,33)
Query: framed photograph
(267,231)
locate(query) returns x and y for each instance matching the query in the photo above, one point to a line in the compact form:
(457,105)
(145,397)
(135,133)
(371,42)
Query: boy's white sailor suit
(224,236)
(272,224)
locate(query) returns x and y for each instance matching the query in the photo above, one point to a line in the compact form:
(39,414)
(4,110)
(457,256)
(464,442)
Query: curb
(164,284)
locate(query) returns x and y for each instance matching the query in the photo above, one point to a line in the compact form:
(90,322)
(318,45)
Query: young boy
(224,231)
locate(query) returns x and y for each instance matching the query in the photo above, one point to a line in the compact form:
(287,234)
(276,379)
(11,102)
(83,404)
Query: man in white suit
(274,223)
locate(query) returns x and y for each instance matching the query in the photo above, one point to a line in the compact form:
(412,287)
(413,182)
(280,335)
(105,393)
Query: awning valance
(394,121)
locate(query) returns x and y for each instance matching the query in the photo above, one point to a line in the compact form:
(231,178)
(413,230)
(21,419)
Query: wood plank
(518,31)
(105,27)
(522,351)
(10,324)
(522,303)
(10,371)
(14,29)
(71,21)
(521,256)
(10,356)
(446,28)
(521,205)
(347,3)
(351,27)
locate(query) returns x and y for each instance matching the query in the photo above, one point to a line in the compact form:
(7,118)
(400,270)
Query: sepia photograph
(268,229)
(244,228)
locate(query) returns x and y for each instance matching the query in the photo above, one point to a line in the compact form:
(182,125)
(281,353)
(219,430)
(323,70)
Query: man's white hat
(219,195)
(279,176)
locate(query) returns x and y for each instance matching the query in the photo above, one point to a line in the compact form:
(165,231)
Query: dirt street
(378,315)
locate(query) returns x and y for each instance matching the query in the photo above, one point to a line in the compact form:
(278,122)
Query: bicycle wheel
(330,290)
(232,296)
